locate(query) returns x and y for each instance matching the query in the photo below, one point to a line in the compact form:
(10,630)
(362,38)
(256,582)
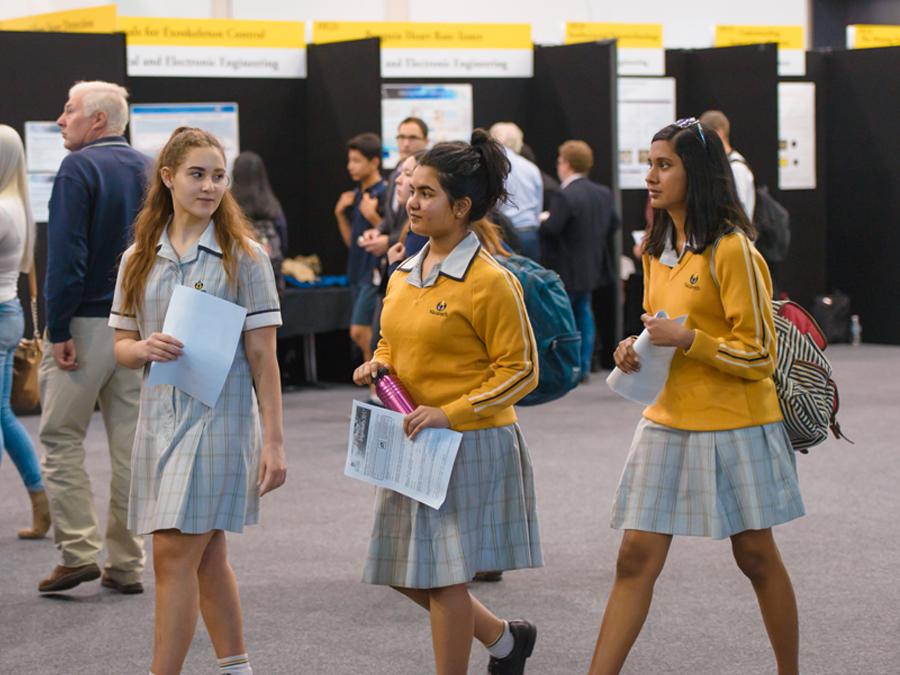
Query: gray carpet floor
(307,612)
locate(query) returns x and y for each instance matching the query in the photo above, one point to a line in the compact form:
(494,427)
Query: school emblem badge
(440,309)
(441,306)
(199,285)
(694,279)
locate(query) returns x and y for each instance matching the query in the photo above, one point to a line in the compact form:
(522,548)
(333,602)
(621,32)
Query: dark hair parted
(367,144)
(477,171)
(419,122)
(713,208)
(252,190)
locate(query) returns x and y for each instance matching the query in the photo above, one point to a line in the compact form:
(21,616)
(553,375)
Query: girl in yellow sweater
(456,333)
(711,456)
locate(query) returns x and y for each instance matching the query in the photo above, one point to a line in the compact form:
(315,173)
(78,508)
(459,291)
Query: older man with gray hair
(96,196)
(525,188)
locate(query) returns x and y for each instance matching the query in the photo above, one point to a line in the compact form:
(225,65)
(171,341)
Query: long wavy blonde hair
(231,227)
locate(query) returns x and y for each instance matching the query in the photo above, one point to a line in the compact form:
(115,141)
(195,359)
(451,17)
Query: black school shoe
(524,634)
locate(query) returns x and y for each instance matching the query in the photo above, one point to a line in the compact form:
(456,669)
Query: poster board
(797,135)
(646,105)
(151,124)
(44,152)
(445,108)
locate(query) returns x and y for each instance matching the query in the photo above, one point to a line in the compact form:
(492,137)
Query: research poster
(44,149)
(152,124)
(797,135)
(445,108)
(646,105)
(44,152)
(40,186)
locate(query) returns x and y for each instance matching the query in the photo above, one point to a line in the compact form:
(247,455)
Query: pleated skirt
(488,521)
(707,483)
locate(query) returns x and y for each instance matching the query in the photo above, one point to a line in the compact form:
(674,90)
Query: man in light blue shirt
(525,188)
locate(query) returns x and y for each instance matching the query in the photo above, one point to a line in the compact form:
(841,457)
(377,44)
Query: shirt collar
(670,257)
(571,179)
(456,265)
(207,242)
(106,140)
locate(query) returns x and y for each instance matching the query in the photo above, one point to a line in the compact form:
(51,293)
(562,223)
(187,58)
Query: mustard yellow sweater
(724,381)
(464,344)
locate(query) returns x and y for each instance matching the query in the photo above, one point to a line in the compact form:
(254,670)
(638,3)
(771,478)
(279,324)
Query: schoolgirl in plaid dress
(711,456)
(456,333)
(198,471)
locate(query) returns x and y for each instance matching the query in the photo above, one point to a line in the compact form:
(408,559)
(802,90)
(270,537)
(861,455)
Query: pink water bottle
(392,392)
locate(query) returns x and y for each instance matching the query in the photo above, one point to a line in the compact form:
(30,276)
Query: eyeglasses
(688,122)
(401,138)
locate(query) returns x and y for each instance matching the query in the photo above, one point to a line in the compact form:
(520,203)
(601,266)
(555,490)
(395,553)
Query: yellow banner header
(398,35)
(869,36)
(212,32)
(90,20)
(787,37)
(628,35)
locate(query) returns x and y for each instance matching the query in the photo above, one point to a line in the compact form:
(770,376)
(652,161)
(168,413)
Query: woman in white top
(16,256)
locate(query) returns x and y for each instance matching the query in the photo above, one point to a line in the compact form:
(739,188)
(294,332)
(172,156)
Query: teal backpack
(553,323)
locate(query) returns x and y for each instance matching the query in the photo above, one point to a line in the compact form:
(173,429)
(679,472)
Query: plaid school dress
(488,520)
(713,483)
(194,468)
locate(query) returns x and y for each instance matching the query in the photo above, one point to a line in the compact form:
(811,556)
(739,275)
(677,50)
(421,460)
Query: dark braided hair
(477,171)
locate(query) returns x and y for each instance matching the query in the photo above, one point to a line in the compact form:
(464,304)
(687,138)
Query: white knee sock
(235,665)
(503,645)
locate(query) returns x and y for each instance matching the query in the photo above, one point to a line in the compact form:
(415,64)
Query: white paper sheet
(645,385)
(379,453)
(209,328)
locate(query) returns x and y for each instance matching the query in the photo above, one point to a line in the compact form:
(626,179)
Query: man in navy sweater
(96,196)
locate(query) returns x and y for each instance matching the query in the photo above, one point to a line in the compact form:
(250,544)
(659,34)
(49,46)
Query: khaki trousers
(67,404)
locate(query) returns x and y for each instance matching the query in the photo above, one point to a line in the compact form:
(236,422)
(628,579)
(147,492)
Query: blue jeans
(530,242)
(15,439)
(584,320)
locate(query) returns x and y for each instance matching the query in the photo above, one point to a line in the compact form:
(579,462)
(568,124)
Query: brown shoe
(63,578)
(40,516)
(107,581)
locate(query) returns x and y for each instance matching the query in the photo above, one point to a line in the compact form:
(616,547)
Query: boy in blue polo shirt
(357,211)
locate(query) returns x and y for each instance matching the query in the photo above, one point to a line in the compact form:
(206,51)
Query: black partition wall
(575,98)
(803,274)
(344,99)
(272,118)
(38,70)
(864,186)
(742,82)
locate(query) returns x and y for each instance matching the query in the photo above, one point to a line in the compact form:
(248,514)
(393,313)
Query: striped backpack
(807,394)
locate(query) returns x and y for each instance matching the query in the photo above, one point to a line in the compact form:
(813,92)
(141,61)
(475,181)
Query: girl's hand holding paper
(665,332)
(161,347)
(642,364)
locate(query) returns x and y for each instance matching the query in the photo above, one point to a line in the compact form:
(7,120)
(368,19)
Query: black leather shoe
(125,589)
(524,634)
(489,577)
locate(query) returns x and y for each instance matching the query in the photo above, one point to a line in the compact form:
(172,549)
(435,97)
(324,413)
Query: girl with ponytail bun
(456,333)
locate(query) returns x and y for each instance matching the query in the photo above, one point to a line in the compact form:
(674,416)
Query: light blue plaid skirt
(707,483)
(488,521)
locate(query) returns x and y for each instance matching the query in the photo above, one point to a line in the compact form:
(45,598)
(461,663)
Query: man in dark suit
(578,236)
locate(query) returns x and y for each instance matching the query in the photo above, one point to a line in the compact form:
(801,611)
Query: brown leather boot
(63,578)
(40,516)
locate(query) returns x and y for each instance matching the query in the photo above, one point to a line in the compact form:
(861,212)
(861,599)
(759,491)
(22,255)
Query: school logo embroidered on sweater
(693,285)
(440,309)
